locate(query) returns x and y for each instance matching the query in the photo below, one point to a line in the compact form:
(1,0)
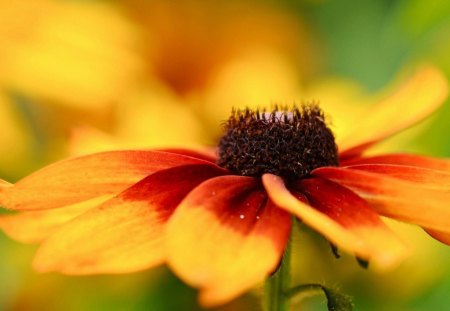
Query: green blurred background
(83,76)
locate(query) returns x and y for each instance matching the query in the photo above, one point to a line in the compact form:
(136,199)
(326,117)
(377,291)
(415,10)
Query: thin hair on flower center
(287,142)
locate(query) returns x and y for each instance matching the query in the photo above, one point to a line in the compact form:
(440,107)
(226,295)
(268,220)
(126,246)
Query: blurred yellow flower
(187,42)
(75,53)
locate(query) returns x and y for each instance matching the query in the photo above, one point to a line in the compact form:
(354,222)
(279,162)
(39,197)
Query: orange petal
(441,236)
(427,178)
(83,178)
(400,199)
(207,154)
(403,159)
(341,216)
(416,99)
(225,237)
(126,233)
(35,226)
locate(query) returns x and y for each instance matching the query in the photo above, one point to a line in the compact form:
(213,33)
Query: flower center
(288,143)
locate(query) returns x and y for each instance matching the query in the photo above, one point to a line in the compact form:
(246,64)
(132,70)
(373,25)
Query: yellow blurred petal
(151,117)
(415,100)
(87,139)
(16,141)
(257,79)
(341,100)
(155,117)
(76,53)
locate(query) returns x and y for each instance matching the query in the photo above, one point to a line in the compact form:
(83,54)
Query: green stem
(278,284)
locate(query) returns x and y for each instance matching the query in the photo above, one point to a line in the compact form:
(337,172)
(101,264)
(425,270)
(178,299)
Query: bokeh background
(82,76)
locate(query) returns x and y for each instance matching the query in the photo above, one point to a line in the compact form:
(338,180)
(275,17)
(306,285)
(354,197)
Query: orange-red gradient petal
(83,178)
(393,197)
(341,216)
(126,233)
(428,178)
(225,237)
(416,99)
(353,213)
(403,159)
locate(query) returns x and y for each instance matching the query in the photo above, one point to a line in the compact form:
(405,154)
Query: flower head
(222,222)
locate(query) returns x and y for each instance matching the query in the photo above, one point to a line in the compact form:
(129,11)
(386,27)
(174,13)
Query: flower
(224,228)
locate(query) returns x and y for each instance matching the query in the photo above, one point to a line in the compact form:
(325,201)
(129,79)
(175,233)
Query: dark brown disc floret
(288,143)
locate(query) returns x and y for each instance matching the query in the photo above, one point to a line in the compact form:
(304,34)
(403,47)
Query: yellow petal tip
(4,184)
